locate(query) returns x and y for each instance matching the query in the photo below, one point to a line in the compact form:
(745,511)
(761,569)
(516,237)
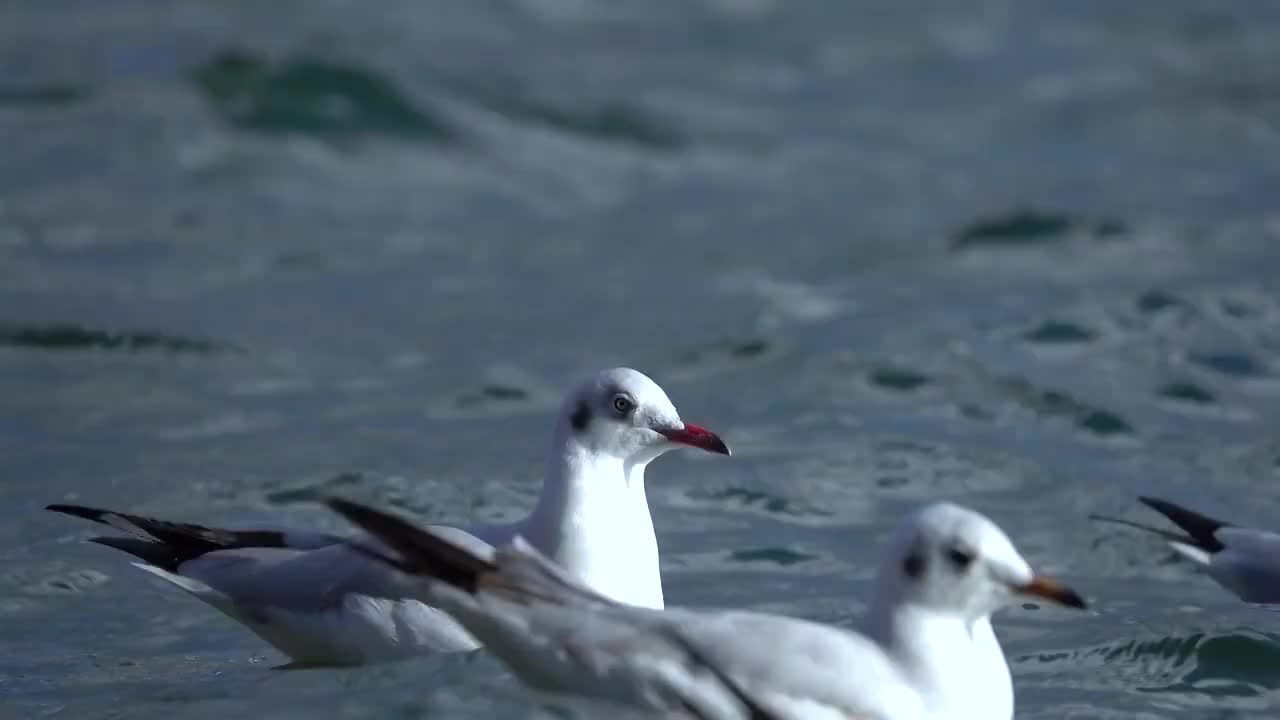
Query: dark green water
(1020,255)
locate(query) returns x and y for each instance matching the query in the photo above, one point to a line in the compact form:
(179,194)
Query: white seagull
(926,650)
(1243,560)
(322,603)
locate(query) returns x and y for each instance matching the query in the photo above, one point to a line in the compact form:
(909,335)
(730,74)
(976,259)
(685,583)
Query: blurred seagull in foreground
(321,603)
(926,650)
(1243,560)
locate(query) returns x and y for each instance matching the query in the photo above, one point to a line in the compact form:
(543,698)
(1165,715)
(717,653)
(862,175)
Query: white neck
(955,663)
(593,519)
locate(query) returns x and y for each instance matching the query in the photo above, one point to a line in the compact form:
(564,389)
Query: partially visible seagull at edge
(926,650)
(320,602)
(1245,561)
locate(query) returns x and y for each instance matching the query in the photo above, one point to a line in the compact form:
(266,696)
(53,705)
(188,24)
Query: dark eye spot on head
(913,566)
(581,417)
(962,559)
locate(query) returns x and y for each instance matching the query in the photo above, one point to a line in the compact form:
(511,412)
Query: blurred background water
(1019,255)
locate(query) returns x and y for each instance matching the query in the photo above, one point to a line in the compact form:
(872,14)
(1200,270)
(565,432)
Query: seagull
(926,650)
(321,603)
(1245,561)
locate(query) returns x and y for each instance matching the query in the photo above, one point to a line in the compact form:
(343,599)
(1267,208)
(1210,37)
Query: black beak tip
(1072,599)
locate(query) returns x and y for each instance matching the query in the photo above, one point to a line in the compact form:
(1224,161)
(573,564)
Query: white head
(950,559)
(622,413)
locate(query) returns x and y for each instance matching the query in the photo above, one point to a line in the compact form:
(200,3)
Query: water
(1023,256)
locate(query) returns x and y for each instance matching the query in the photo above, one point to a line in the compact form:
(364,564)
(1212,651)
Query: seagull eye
(960,558)
(623,404)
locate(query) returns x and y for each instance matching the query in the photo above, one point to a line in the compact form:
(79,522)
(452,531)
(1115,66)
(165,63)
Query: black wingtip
(345,508)
(152,553)
(421,552)
(376,522)
(79,511)
(1200,528)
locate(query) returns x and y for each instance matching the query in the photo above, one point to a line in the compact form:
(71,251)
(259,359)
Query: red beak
(694,436)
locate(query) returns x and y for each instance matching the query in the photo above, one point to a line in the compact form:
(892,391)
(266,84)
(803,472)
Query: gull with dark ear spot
(1245,561)
(321,602)
(926,650)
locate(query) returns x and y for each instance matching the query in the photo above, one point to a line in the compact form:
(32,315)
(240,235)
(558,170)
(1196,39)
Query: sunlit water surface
(1019,255)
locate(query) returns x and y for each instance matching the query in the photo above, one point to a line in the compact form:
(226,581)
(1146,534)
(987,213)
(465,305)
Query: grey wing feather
(1249,565)
(302,580)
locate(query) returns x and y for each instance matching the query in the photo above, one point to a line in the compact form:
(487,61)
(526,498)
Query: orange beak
(1050,589)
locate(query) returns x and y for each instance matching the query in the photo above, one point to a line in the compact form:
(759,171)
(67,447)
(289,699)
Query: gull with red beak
(321,602)
(926,650)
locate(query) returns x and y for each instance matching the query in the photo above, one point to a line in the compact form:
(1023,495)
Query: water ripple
(1024,228)
(314,97)
(77,337)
